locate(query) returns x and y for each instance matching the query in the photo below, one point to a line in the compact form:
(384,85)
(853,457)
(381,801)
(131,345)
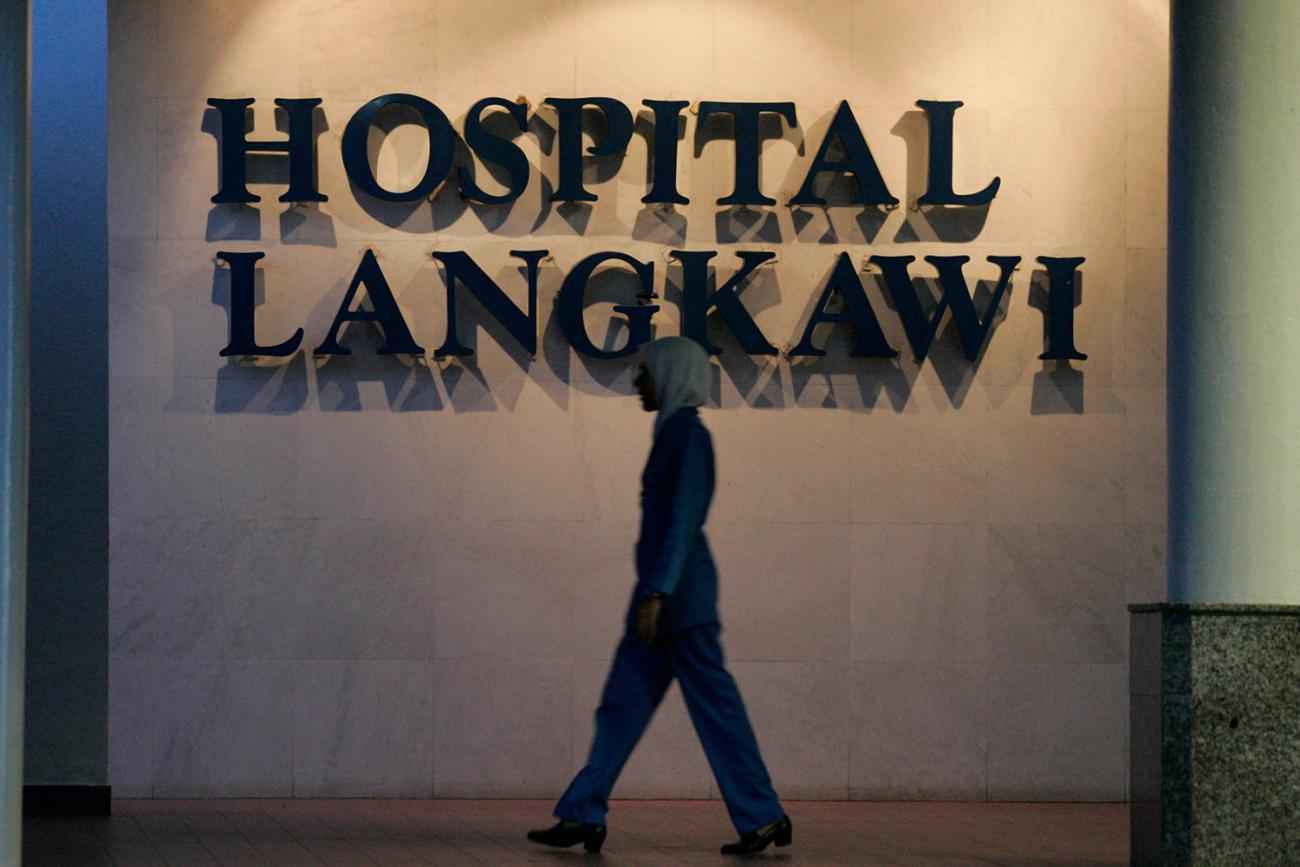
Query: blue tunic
(672,555)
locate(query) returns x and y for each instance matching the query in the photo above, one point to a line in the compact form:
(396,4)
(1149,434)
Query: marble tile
(935,49)
(802,722)
(472,465)
(133,476)
(1059,467)
(132,723)
(668,762)
(265,388)
(783,590)
(919,731)
(133,336)
(1148,571)
(203,588)
(663,51)
(1146,462)
(1146,188)
(1057,732)
(921,465)
(397,48)
(540,46)
(1056,55)
(188,174)
(202,459)
(132,52)
(159,606)
(797,50)
(371,466)
(227,48)
(133,165)
(132,272)
(614,436)
(603,568)
(1145,317)
(363,728)
(762,478)
(366,590)
(1146,70)
(1057,593)
(225,728)
(502,728)
(920,593)
(506,589)
(1063,174)
(517,474)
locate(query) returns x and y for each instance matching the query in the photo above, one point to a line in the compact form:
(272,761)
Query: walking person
(672,626)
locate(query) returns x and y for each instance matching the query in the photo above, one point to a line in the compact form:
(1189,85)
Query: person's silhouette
(672,626)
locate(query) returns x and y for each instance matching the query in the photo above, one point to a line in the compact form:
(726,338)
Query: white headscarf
(681,373)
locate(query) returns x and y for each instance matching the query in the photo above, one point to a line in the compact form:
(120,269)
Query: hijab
(681,373)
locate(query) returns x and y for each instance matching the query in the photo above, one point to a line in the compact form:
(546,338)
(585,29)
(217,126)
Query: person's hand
(647,619)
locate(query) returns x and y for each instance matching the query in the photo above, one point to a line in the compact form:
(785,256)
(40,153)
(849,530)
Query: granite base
(1214,736)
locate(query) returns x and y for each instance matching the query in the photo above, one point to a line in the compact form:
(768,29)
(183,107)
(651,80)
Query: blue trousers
(637,682)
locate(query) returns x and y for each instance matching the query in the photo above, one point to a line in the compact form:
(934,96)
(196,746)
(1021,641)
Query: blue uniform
(672,556)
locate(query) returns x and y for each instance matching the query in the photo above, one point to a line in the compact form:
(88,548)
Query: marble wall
(377,577)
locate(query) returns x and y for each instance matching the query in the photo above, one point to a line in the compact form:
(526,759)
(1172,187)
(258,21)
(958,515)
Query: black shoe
(780,832)
(566,834)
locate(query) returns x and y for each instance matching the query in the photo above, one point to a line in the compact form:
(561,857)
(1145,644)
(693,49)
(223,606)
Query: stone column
(13,416)
(1215,683)
(1234,302)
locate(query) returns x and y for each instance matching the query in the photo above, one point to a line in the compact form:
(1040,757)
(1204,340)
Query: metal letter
(921,330)
(664,189)
(569,111)
(939,178)
(1060,308)
(235,146)
(570,302)
(748,145)
(871,342)
(857,161)
(356,147)
(522,326)
(697,301)
(242,305)
(504,153)
(397,337)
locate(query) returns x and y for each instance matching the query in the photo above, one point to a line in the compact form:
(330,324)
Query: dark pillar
(66,752)
(13,417)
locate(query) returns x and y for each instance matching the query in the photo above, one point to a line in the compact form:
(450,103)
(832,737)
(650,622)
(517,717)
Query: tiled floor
(280,833)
